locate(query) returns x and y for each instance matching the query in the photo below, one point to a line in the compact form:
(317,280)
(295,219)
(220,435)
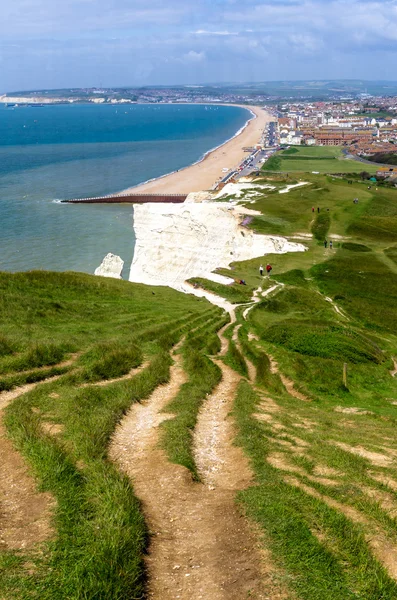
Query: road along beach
(204,174)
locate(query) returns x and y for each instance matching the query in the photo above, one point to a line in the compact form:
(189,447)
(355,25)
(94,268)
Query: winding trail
(201,546)
(25,513)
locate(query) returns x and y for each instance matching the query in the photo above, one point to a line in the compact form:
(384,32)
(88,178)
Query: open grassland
(63,427)
(322,159)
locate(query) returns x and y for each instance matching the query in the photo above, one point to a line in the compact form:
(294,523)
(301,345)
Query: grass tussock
(234,359)
(203,375)
(109,360)
(321,226)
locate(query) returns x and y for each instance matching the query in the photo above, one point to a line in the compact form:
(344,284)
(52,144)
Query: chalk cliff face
(111,266)
(177,241)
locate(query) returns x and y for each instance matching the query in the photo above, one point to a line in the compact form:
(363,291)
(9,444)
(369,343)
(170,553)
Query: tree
(364,175)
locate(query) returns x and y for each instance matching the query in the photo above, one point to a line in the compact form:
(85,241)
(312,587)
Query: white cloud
(204,32)
(194,57)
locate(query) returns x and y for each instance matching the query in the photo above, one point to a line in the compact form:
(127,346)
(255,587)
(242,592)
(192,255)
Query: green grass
(100,535)
(235,292)
(358,282)
(296,525)
(322,159)
(321,226)
(235,359)
(391,253)
(378,221)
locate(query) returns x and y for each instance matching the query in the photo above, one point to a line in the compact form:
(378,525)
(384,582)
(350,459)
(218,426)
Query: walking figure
(261,270)
(318,209)
(325,243)
(268,269)
(312,208)
(330,244)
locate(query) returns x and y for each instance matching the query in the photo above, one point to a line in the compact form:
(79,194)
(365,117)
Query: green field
(322,159)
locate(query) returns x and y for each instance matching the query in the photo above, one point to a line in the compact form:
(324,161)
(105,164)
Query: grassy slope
(323,552)
(112,325)
(324,159)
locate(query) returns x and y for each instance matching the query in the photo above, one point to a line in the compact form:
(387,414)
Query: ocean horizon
(55,152)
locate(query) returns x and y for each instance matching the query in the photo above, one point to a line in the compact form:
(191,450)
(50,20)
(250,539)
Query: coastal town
(366,127)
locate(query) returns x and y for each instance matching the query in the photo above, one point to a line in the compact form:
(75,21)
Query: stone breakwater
(180,241)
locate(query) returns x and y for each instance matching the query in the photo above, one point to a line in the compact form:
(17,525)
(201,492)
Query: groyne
(129,199)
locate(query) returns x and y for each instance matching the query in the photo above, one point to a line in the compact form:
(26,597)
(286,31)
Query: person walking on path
(268,269)
(318,209)
(330,244)
(261,270)
(312,208)
(325,243)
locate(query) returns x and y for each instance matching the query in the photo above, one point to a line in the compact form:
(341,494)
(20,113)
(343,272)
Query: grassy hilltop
(316,420)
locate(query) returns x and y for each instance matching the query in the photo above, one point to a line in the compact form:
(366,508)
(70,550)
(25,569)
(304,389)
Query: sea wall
(176,242)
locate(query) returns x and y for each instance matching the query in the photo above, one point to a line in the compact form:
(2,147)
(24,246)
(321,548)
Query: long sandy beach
(203,175)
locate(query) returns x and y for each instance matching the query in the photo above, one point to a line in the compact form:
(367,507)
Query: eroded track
(201,545)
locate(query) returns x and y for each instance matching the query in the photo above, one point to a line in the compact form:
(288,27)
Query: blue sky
(51,44)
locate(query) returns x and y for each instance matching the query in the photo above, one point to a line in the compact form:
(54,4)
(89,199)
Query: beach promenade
(203,175)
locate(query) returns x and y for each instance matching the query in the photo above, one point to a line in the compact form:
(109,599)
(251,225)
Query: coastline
(203,174)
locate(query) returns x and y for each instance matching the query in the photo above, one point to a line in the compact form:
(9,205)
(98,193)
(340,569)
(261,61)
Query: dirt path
(287,383)
(25,513)
(201,546)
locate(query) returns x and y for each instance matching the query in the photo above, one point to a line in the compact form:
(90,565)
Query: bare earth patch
(393,373)
(380,460)
(385,479)
(324,471)
(280,461)
(383,549)
(268,404)
(51,428)
(25,513)
(353,410)
(385,500)
(306,424)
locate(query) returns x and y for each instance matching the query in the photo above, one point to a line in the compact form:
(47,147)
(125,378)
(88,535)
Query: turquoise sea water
(71,151)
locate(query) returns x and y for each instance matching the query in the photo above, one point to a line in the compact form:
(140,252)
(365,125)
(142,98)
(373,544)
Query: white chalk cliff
(111,266)
(177,241)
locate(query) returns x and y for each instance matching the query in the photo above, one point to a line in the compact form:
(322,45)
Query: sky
(48,44)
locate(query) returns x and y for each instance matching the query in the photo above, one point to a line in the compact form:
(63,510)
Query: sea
(55,152)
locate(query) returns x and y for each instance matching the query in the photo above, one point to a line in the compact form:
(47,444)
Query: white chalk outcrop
(175,242)
(111,266)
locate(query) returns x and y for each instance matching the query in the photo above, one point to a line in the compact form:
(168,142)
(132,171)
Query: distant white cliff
(177,241)
(111,266)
